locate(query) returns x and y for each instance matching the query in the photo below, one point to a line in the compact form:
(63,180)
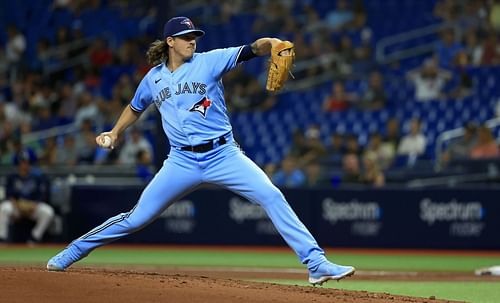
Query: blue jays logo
(201,106)
(188,23)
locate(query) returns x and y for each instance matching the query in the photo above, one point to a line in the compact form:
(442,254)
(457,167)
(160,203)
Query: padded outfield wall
(437,218)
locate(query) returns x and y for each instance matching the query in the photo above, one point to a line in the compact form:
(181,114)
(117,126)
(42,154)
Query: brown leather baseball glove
(280,64)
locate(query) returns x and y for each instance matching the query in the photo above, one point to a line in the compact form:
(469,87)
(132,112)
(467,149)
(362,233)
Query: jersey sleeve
(222,60)
(142,98)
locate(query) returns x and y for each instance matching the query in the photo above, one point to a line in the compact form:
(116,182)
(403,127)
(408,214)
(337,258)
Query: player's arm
(260,47)
(127,118)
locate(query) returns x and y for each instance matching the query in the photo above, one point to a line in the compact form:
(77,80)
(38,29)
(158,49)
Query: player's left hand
(281,61)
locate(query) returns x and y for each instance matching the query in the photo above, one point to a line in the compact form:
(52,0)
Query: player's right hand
(103,141)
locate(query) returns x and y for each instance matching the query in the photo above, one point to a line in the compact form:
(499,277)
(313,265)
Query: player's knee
(136,223)
(6,208)
(273,195)
(46,210)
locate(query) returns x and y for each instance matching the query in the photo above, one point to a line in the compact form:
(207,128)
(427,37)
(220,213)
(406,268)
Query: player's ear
(170,41)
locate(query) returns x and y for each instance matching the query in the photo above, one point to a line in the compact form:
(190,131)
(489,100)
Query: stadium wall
(437,218)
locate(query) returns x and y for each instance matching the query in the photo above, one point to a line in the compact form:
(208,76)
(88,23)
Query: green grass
(477,292)
(143,256)
(200,257)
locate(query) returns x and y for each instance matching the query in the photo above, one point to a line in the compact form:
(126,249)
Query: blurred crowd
(38,91)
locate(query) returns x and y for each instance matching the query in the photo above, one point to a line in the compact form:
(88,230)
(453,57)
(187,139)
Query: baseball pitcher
(187,90)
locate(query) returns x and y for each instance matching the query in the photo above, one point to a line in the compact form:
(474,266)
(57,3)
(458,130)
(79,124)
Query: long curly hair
(157,52)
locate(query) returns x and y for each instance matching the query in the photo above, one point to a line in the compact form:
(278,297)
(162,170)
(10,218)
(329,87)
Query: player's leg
(7,211)
(241,175)
(42,215)
(177,177)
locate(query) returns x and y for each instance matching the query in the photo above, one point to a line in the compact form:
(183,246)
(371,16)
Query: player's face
(185,45)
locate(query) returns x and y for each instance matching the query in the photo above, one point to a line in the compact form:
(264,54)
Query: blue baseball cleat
(61,261)
(328,271)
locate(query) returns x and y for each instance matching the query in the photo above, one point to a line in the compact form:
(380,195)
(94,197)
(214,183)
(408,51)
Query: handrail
(456,133)
(70,128)
(383,43)
(56,51)
(450,180)
(50,132)
(405,36)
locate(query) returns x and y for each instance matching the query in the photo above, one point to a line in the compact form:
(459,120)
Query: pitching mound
(34,284)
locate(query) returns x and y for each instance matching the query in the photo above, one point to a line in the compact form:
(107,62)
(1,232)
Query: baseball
(106,142)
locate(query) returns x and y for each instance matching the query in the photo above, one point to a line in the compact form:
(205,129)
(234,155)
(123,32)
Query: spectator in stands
(414,143)
(143,166)
(40,61)
(486,146)
(298,147)
(340,16)
(351,170)
(270,169)
(373,96)
(314,148)
(392,135)
(448,10)
(491,50)
(289,174)
(497,108)
(48,156)
(67,154)
(125,88)
(272,16)
(447,48)
(321,52)
(372,174)
(429,81)
(313,173)
(15,49)
(79,47)
(85,143)
(339,99)
(134,143)
(336,149)
(495,16)
(68,101)
(463,84)
(311,19)
(384,154)
(87,109)
(473,47)
(460,148)
(44,118)
(100,54)
(352,145)
(250,96)
(27,197)
(347,55)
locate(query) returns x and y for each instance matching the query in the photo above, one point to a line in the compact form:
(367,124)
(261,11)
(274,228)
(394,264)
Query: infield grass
(477,292)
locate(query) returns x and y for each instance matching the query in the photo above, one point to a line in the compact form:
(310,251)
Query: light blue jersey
(190,99)
(195,120)
(194,114)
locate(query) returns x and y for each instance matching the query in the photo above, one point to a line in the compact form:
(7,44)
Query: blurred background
(395,108)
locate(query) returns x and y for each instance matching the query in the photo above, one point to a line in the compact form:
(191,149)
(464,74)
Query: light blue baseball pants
(183,172)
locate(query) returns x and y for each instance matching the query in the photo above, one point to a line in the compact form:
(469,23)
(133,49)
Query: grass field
(383,260)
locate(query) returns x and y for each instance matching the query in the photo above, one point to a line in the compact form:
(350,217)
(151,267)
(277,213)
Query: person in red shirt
(486,146)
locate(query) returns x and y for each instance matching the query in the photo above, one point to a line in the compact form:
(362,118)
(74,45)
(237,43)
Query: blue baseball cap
(179,26)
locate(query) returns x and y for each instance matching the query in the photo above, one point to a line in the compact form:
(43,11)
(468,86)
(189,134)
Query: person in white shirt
(134,143)
(414,143)
(429,81)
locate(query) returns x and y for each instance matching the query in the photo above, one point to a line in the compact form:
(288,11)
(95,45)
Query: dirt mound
(34,284)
